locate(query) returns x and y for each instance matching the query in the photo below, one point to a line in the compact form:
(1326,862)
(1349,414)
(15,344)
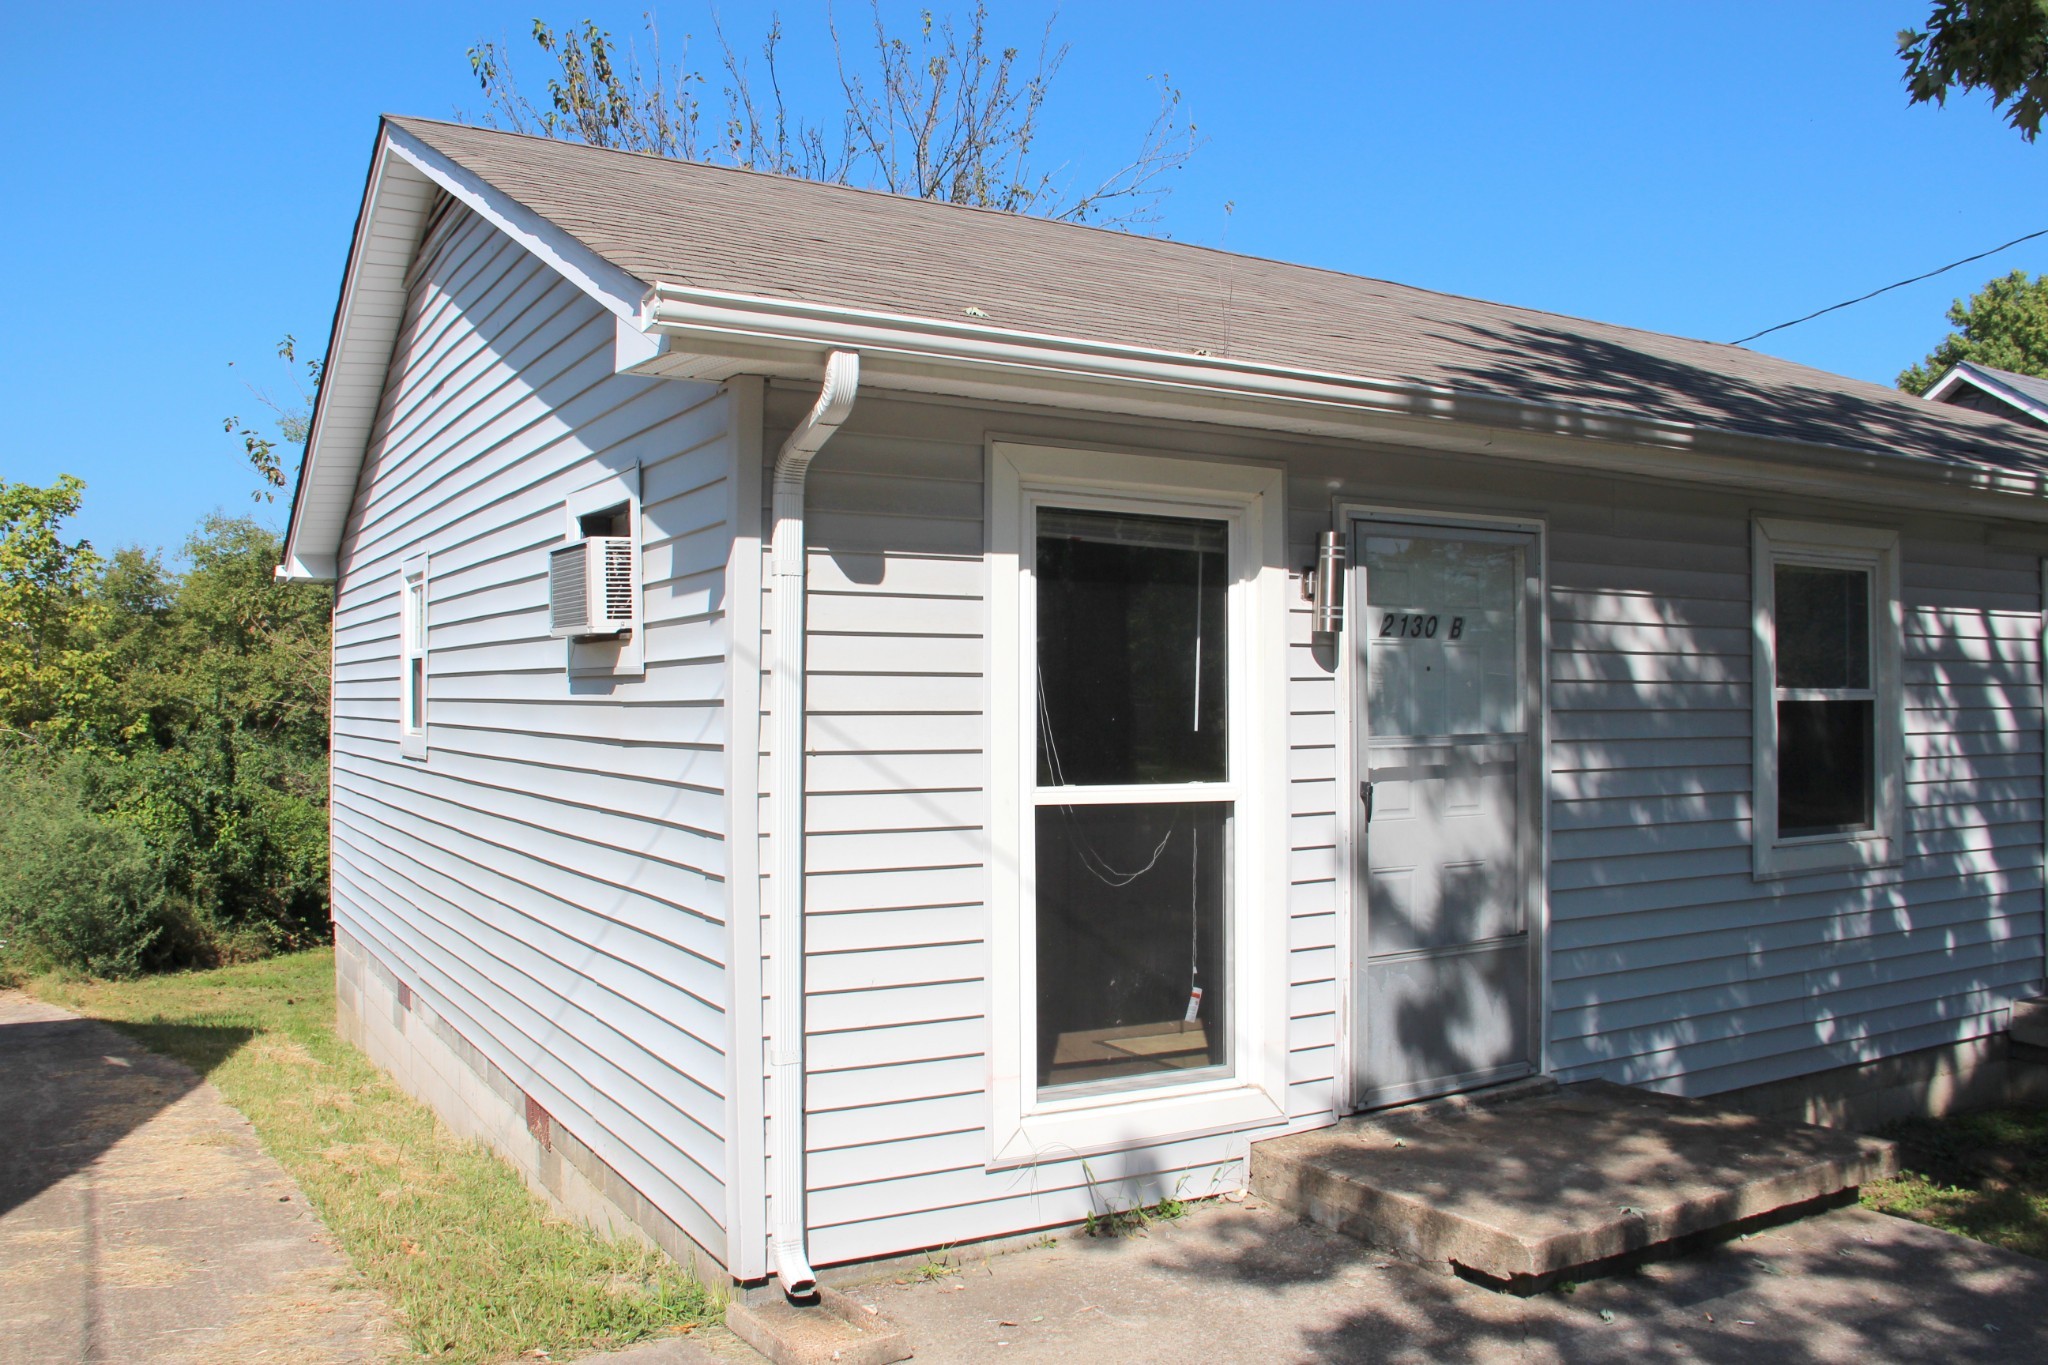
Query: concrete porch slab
(1521,1192)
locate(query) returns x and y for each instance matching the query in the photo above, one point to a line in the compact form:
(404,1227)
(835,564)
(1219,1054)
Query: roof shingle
(742,232)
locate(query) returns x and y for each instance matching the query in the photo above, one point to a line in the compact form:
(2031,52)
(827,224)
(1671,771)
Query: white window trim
(1024,1128)
(606,658)
(1774,541)
(412,743)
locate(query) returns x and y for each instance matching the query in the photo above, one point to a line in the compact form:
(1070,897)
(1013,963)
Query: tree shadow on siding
(1672,960)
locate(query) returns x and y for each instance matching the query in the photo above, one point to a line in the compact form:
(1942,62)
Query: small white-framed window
(609,507)
(1829,746)
(1138,674)
(412,658)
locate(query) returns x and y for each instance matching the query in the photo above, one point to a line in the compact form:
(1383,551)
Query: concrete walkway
(140,1220)
(1249,1283)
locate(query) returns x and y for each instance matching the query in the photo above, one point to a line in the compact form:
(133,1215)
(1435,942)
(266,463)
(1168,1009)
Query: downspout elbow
(787,1253)
(835,402)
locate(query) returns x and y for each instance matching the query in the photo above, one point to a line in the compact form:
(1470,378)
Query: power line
(1888,288)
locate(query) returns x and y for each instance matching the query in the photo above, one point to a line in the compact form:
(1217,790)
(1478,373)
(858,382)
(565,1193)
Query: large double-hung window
(1828,741)
(1139,645)
(1133,800)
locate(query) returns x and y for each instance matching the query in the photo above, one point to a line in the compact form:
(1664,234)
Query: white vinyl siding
(552,881)
(1672,966)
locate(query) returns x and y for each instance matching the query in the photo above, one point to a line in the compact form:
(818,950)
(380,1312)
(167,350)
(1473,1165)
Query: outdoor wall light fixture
(1325,584)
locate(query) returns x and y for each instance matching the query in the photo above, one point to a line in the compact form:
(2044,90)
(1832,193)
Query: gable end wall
(550,881)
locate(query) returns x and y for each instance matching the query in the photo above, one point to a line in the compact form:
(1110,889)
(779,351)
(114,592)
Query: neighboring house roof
(2022,397)
(713,254)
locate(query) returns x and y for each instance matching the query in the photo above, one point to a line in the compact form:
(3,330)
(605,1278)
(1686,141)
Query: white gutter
(786,1253)
(715,323)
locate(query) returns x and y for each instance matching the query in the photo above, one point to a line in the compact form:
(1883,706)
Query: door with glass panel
(1133,827)
(1447,805)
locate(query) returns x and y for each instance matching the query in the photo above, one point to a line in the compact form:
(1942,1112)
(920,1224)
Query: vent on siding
(618,579)
(591,587)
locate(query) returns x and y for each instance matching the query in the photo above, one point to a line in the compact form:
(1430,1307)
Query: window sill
(1803,857)
(413,745)
(1121,1122)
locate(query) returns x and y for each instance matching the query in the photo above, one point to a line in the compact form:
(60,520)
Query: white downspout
(786,1253)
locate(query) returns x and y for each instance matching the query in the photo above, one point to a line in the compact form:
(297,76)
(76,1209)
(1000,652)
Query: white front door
(1447,807)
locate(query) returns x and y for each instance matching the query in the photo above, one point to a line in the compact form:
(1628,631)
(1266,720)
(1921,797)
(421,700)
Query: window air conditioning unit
(591,588)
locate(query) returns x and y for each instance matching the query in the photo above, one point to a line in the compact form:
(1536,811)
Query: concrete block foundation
(1982,1073)
(431,1061)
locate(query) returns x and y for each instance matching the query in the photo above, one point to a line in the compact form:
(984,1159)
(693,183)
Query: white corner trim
(746,1185)
(1876,549)
(1025,1128)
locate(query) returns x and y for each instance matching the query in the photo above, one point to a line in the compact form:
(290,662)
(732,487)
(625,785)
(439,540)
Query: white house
(840,746)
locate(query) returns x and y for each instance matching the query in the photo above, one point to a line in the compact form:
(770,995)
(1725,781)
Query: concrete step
(2028,1023)
(1550,1186)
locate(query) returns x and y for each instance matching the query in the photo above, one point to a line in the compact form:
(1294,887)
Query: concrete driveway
(141,1221)
(1246,1283)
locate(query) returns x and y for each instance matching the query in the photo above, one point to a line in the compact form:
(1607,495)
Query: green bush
(163,747)
(79,890)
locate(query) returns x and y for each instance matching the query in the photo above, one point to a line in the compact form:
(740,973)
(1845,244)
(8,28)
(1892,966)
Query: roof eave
(933,355)
(1963,372)
(404,174)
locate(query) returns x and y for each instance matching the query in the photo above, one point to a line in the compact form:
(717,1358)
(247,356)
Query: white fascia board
(403,175)
(1966,373)
(966,360)
(395,201)
(593,274)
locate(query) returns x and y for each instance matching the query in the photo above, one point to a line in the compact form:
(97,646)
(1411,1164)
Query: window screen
(1826,707)
(1133,897)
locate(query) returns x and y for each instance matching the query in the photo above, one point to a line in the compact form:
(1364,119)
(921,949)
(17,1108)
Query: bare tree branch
(943,115)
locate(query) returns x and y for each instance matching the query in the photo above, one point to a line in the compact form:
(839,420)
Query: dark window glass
(1132,905)
(1133,649)
(1825,768)
(417,718)
(1823,624)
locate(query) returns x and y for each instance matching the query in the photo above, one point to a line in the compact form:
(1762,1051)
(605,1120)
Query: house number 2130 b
(1398,625)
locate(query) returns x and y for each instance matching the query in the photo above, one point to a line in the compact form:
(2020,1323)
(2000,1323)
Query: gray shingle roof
(715,228)
(2028,386)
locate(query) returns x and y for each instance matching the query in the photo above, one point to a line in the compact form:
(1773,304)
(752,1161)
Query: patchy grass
(1982,1175)
(477,1267)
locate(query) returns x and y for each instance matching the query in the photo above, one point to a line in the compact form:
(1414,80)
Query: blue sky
(183,180)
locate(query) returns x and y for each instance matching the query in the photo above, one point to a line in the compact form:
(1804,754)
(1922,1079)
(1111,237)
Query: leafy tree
(49,675)
(291,421)
(2000,46)
(943,114)
(2003,325)
(173,811)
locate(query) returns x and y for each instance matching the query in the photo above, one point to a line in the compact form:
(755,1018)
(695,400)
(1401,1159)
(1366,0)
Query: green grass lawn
(476,1266)
(1982,1175)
